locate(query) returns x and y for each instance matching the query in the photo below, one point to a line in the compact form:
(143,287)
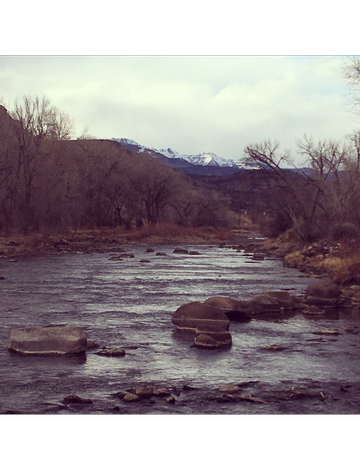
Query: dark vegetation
(51,183)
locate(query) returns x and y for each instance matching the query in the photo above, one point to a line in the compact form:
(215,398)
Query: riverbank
(337,260)
(111,240)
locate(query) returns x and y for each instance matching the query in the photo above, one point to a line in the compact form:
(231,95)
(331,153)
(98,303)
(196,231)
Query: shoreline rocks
(324,294)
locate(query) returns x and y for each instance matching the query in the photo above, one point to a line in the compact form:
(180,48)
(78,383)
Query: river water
(129,304)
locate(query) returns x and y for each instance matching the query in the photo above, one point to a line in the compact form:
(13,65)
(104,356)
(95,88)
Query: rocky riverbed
(280,363)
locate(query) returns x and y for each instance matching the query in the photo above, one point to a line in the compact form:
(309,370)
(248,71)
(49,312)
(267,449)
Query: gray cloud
(191,104)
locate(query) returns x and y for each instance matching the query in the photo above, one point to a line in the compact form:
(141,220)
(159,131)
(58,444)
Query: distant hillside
(203,159)
(207,164)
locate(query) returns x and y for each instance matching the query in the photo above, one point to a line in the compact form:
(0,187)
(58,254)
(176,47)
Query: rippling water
(127,303)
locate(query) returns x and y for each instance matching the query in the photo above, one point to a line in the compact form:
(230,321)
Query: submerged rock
(313,311)
(258,257)
(54,340)
(206,341)
(211,339)
(323,302)
(275,347)
(115,352)
(75,399)
(229,388)
(180,250)
(161,392)
(144,392)
(327,332)
(92,344)
(130,397)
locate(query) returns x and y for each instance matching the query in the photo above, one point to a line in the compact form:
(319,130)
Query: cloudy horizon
(191,104)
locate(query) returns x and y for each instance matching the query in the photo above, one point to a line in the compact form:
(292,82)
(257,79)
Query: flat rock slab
(53,340)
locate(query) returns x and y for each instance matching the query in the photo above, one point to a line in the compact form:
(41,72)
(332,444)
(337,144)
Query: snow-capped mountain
(203,159)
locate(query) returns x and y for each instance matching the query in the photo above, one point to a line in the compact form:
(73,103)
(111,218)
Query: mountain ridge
(201,159)
(206,164)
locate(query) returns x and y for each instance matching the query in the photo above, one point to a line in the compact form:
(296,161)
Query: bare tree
(36,125)
(351,74)
(327,159)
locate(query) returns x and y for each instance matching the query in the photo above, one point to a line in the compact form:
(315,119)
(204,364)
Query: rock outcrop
(52,340)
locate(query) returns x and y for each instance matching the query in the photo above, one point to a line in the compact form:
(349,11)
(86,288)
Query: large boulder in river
(286,301)
(51,340)
(194,315)
(325,294)
(265,303)
(234,310)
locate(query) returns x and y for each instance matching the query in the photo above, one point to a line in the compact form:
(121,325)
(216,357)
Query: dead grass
(295,259)
(339,268)
(169,233)
(98,238)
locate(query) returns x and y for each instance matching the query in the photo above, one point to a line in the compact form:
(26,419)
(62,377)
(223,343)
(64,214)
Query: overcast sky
(192,104)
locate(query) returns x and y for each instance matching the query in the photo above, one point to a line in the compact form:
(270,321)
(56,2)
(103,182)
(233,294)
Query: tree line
(321,200)
(50,181)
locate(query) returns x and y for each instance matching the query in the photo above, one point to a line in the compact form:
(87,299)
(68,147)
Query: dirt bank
(337,260)
(109,240)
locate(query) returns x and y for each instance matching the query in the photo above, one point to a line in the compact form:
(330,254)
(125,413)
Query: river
(129,304)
